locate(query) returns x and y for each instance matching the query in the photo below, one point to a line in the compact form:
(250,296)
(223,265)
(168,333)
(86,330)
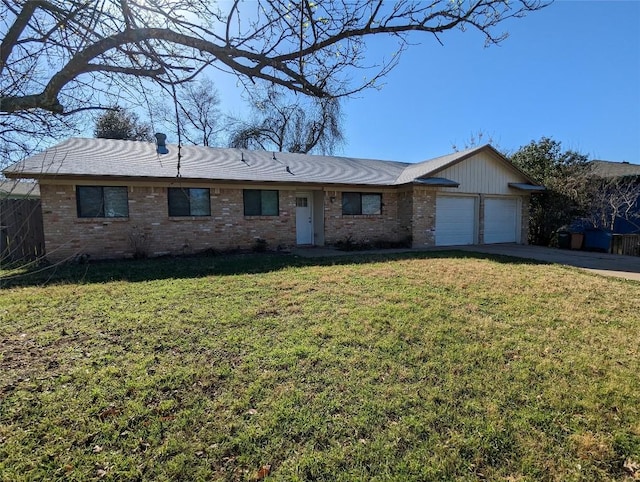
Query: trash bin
(576,240)
(597,240)
(564,239)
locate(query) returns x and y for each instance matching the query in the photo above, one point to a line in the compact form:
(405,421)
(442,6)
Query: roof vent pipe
(161,143)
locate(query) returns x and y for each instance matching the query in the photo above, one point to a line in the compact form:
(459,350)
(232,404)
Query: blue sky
(570,72)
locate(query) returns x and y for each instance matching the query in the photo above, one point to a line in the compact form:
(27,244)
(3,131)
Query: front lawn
(437,366)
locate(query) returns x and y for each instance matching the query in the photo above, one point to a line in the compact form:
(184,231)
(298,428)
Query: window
(102,202)
(260,202)
(189,201)
(361,203)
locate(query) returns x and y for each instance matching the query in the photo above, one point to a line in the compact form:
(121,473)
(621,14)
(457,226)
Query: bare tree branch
(281,125)
(64,55)
(613,198)
(295,58)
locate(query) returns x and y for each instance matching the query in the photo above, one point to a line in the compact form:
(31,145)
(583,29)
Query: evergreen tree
(118,123)
(565,174)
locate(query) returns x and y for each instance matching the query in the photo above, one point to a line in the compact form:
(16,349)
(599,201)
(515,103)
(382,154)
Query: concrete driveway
(615,265)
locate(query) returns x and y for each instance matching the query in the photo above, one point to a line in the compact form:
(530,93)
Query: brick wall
(405,212)
(424,216)
(151,229)
(525,217)
(362,228)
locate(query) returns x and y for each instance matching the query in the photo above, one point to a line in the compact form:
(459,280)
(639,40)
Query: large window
(102,202)
(361,203)
(189,201)
(260,202)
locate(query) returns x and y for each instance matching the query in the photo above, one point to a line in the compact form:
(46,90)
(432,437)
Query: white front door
(304,221)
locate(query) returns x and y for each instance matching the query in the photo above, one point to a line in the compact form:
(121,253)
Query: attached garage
(455,220)
(480,197)
(501,220)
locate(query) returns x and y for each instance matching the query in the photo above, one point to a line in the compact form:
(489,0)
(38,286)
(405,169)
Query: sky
(570,72)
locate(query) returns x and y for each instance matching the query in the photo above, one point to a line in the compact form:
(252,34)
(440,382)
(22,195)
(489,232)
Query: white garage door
(455,220)
(501,221)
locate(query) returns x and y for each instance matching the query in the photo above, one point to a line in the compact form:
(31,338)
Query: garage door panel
(501,221)
(455,220)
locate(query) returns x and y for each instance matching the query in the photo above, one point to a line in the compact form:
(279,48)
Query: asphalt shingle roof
(135,159)
(19,189)
(615,169)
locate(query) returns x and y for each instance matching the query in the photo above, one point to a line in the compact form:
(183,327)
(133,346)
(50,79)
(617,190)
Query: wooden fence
(21,231)
(628,244)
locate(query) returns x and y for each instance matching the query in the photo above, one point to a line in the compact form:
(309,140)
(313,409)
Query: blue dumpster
(597,240)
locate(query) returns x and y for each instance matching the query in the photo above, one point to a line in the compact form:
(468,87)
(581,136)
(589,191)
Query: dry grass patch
(593,447)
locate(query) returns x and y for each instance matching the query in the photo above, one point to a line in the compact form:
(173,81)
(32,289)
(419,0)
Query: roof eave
(165,179)
(17,175)
(435,182)
(523,186)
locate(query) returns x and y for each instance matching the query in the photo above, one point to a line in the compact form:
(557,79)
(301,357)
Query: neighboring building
(620,170)
(13,189)
(111,198)
(615,169)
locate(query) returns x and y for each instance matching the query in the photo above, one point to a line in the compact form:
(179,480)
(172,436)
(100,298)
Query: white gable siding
(482,173)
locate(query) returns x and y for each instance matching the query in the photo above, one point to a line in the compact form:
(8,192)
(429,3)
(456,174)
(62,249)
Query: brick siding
(367,228)
(152,230)
(408,212)
(424,217)
(525,218)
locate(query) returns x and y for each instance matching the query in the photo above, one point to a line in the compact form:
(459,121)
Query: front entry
(304,218)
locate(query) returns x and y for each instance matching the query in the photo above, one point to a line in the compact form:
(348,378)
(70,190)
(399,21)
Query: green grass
(437,366)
